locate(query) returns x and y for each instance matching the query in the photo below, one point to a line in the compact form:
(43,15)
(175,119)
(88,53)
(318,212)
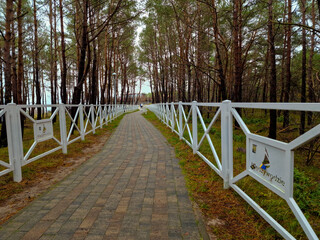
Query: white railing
(277,175)
(82,119)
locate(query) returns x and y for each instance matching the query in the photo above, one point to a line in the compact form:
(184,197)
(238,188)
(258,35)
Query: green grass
(306,178)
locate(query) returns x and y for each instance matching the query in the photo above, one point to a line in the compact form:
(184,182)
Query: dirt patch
(48,177)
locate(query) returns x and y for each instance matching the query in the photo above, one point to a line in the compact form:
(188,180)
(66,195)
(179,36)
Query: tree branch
(4,38)
(298,25)
(106,22)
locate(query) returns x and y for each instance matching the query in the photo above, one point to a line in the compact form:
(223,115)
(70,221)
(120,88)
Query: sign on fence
(43,130)
(268,164)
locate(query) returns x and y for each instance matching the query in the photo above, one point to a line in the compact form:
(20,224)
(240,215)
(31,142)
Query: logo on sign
(265,163)
(264,166)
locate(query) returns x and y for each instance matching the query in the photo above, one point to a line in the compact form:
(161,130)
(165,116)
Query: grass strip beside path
(45,172)
(227,216)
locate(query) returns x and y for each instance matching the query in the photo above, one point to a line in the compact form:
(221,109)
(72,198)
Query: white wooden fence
(84,120)
(277,175)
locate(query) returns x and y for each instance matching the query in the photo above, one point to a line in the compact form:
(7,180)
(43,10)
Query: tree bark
(1,79)
(36,59)
(53,71)
(7,65)
(20,78)
(14,76)
(216,32)
(288,67)
(94,77)
(273,72)
(55,67)
(310,72)
(237,49)
(303,67)
(106,59)
(64,61)
(82,69)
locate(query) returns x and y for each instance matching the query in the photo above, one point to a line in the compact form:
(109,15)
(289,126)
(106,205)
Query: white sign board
(269,165)
(43,130)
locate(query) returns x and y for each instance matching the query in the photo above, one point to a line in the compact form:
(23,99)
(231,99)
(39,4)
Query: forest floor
(46,172)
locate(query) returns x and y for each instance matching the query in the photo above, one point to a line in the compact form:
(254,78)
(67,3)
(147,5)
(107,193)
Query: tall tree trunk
(63,55)
(310,72)
(55,66)
(14,77)
(82,69)
(237,52)
(283,59)
(94,77)
(51,52)
(265,80)
(273,72)
(36,59)
(124,82)
(237,49)
(1,79)
(52,59)
(109,76)
(303,67)
(20,79)
(104,84)
(288,67)
(216,32)
(7,67)
(33,84)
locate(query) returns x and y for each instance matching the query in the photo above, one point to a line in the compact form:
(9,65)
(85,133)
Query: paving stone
(132,189)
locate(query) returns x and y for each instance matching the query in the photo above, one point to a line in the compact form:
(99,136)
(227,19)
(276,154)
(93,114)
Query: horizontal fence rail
(278,176)
(74,123)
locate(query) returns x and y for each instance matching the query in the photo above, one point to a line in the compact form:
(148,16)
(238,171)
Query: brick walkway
(132,189)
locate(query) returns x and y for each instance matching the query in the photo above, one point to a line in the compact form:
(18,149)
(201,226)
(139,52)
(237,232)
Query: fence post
(92,119)
(180,120)
(163,113)
(14,138)
(63,128)
(81,121)
(194,127)
(117,110)
(226,142)
(172,117)
(110,112)
(167,113)
(106,113)
(101,116)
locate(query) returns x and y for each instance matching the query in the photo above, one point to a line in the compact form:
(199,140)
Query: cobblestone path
(132,189)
